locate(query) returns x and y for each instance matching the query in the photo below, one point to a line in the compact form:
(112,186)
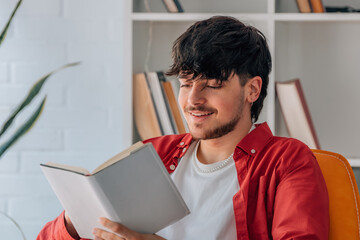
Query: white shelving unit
(322,50)
(354,162)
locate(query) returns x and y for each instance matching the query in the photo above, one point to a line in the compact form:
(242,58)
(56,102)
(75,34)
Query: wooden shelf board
(178,17)
(354,162)
(277,17)
(317,17)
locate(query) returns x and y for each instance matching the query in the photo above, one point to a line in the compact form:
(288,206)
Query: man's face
(211,109)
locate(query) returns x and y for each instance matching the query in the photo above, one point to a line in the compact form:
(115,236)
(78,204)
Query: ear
(253,89)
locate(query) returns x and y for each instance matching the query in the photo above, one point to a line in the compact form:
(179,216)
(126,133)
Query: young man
(239,181)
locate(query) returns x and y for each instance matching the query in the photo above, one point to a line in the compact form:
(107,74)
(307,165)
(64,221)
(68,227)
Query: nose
(197,94)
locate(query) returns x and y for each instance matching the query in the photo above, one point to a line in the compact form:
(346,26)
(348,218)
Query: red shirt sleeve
(55,230)
(301,203)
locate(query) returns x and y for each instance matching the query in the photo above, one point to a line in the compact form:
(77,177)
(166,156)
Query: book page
(75,169)
(80,197)
(118,157)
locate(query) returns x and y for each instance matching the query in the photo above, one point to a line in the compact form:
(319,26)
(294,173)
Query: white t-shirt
(209,198)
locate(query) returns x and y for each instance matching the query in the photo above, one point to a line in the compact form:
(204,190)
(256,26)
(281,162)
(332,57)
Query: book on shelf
(174,110)
(303,6)
(146,118)
(162,80)
(346,9)
(160,104)
(296,112)
(317,6)
(132,188)
(176,88)
(156,109)
(173,6)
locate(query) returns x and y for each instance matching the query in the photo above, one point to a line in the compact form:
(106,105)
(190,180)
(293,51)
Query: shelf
(186,17)
(354,162)
(319,48)
(278,17)
(317,17)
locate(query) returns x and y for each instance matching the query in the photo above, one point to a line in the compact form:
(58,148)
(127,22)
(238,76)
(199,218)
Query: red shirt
(282,193)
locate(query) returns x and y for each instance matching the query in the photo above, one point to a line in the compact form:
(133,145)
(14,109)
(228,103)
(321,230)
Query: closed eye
(215,87)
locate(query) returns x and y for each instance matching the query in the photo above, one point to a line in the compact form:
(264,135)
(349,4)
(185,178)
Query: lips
(200,114)
(199,117)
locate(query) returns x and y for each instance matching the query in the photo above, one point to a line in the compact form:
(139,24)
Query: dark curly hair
(220,46)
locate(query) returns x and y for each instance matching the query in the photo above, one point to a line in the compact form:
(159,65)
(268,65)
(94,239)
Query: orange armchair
(343,195)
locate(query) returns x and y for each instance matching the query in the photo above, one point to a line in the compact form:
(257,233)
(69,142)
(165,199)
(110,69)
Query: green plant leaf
(34,90)
(23,128)
(4,31)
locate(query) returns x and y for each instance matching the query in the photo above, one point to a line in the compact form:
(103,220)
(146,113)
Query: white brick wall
(87,118)
(4,73)
(9,163)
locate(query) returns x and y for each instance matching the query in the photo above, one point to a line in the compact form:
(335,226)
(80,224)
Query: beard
(219,131)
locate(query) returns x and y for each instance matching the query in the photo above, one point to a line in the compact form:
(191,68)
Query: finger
(101,234)
(118,228)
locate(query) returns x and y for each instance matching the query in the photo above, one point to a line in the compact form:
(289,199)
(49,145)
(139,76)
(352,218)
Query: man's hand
(123,233)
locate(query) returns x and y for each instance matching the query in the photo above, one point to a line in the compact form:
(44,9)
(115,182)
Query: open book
(132,188)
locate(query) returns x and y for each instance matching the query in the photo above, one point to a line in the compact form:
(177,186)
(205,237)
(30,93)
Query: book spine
(174,107)
(146,118)
(296,112)
(317,6)
(162,80)
(181,201)
(307,113)
(178,5)
(303,6)
(104,203)
(154,102)
(160,104)
(173,6)
(176,88)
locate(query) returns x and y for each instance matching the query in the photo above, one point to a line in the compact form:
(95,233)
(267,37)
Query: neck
(218,149)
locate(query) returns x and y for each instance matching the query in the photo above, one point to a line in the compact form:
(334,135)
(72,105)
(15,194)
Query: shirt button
(253,151)
(182,143)
(172,167)
(184,150)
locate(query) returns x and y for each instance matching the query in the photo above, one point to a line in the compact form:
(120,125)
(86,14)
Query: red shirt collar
(252,143)
(256,140)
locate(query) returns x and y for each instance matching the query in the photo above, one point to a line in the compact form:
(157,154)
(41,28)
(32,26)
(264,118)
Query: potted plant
(34,116)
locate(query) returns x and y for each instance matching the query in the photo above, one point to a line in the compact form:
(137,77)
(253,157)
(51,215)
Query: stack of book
(308,6)
(156,110)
